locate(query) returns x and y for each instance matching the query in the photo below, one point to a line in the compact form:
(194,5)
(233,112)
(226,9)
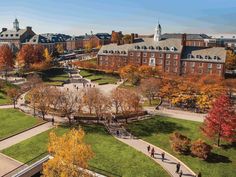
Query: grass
(99,77)
(4,99)
(154,103)
(157,131)
(13,121)
(55,76)
(111,155)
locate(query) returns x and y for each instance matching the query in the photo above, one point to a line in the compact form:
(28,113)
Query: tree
(25,56)
(89,96)
(149,88)
(130,73)
(69,103)
(47,55)
(147,71)
(200,149)
(126,38)
(33,80)
(70,155)
(6,59)
(180,143)
(59,49)
(230,60)
(220,123)
(116,98)
(38,54)
(13,93)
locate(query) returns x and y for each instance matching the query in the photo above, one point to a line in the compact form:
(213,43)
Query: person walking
(181,173)
(148,148)
(199,174)
(53,121)
(162,156)
(117,133)
(177,167)
(153,152)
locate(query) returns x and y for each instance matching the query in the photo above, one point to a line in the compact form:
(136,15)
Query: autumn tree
(116,98)
(149,88)
(13,93)
(89,96)
(33,80)
(147,71)
(25,56)
(59,49)
(200,149)
(180,143)
(220,123)
(47,55)
(69,103)
(70,155)
(130,73)
(230,60)
(6,59)
(38,54)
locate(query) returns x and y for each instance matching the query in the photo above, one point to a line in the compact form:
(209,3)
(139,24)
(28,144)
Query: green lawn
(110,154)
(158,130)
(4,99)
(13,121)
(102,77)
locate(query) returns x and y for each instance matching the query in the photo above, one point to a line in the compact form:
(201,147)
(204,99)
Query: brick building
(16,37)
(97,40)
(175,55)
(75,43)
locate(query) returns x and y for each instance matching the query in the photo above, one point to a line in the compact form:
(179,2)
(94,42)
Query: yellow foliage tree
(70,155)
(47,55)
(230,60)
(59,48)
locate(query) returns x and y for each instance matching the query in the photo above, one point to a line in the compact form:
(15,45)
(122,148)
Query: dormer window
(144,47)
(166,48)
(11,35)
(151,47)
(215,57)
(173,49)
(158,48)
(189,56)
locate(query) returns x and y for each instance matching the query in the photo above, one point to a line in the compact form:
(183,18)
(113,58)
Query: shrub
(180,143)
(200,149)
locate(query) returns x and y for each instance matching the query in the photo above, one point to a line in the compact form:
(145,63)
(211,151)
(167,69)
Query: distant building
(74,43)
(57,39)
(176,54)
(16,36)
(97,40)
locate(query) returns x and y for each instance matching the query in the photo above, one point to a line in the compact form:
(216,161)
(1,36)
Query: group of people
(88,85)
(151,151)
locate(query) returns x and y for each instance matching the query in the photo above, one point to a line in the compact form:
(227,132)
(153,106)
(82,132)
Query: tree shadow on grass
(229,146)
(216,158)
(151,126)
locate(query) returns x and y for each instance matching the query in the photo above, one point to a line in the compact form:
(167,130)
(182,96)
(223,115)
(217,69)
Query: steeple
(16,25)
(157,35)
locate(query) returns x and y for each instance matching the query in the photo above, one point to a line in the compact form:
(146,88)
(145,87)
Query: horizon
(79,17)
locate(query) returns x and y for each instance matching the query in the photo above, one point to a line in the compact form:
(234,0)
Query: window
(160,55)
(167,62)
(215,57)
(189,56)
(192,70)
(160,61)
(11,35)
(219,72)
(6,35)
(131,54)
(138,54)
(176,56)
(153,55)
(144,60)
(184,63)
(158,48)
(1,35)
(175,69)
(168,55)
(193,64)
(200,71)
(200,64)
(100,58)
(184,70)
(209,65)
(219,66)
(167,69)
(144,54)
(175,63)
(209,71)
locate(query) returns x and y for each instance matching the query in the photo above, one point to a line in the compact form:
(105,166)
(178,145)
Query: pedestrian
(162,156)
(177,167)
(199,174)
(53,121)
(181,173)
(153,152)
(117,133)
(148,148)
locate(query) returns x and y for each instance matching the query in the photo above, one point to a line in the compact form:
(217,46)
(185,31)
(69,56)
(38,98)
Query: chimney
(28,28)
(4,29)
(132,38)
(136,35)
(184,38)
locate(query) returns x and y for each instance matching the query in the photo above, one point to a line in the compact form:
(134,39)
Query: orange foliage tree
(25,56)
(70,155)
(6,59)
(180,143)
(200,149)
(230,60)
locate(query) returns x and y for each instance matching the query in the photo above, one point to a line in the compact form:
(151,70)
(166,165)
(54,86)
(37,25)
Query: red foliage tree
(6,58)
(220,123)
(25,56)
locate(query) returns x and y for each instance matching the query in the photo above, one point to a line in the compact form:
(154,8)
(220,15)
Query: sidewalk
(178,114)
(25,135)
(169,164)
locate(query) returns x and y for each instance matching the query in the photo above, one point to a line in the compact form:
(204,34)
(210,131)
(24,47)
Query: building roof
(39,39)
(214,54)
(73,38)
(56,37)
(145,44)
(12,34)
(103,35)
(188,36)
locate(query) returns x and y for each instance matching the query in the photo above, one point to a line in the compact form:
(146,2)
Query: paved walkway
(6,106)
(186,115)
(169,164)
(8,164)
(25,135)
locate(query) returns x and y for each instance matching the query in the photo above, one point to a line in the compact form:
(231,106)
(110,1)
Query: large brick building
(16,37)
(174,55)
